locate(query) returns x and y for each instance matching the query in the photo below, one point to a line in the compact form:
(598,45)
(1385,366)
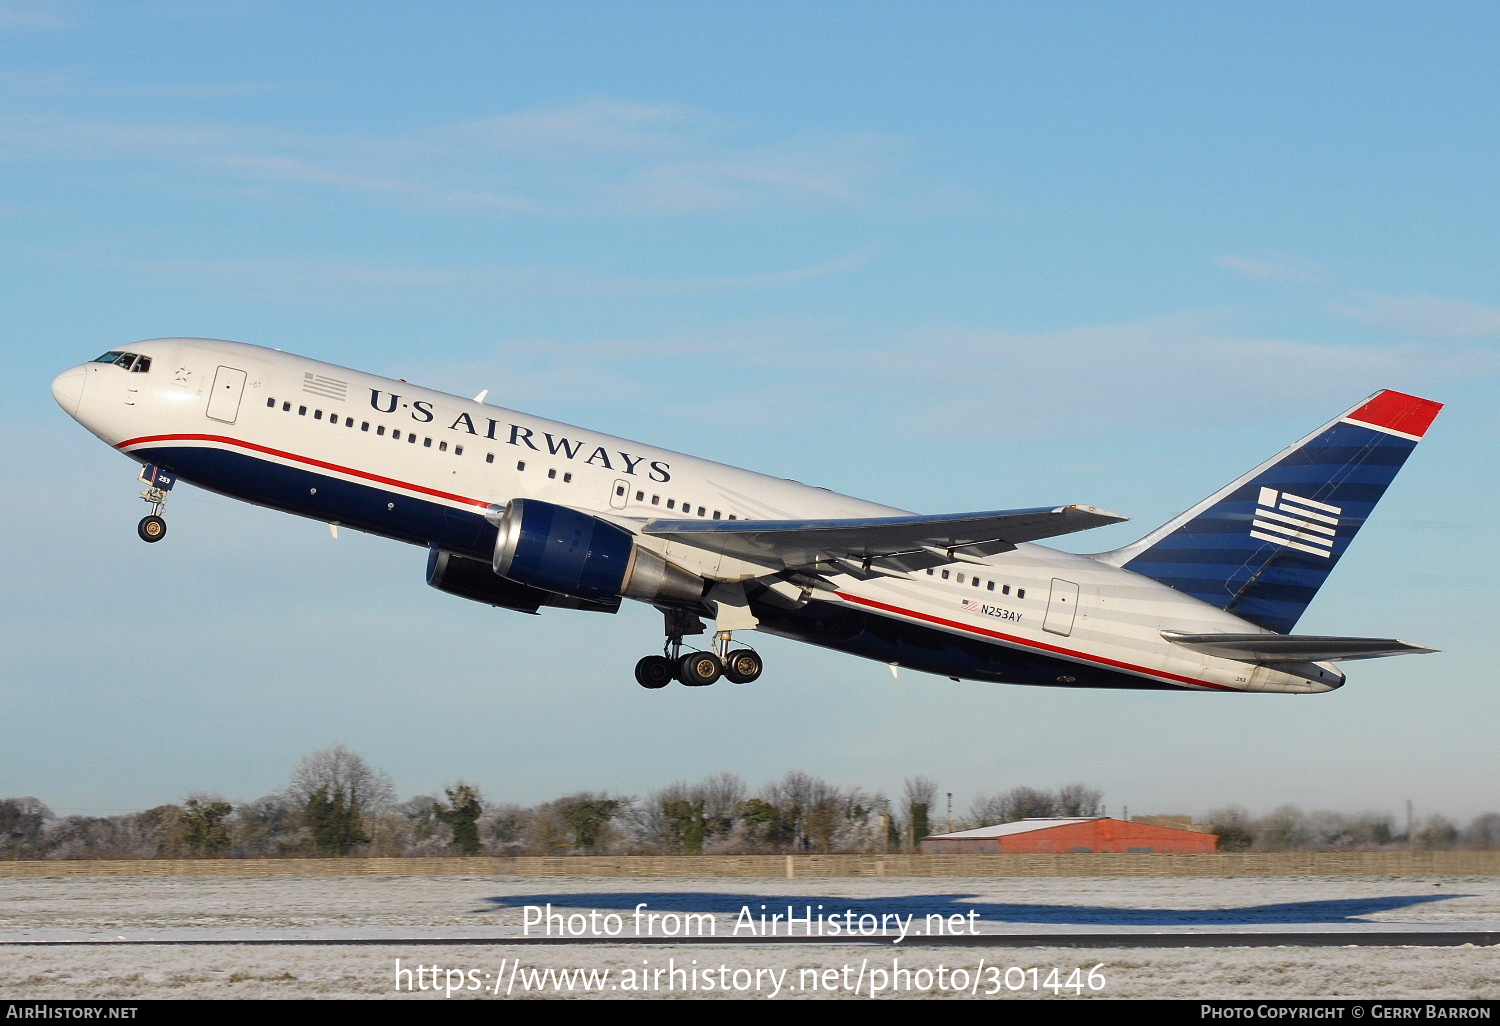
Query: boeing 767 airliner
(525,513)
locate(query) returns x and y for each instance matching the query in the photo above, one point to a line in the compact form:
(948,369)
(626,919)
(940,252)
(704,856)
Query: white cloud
(1426,316)
(958,384)
(1276,268)
(34,17)
(597,156)
(327,282)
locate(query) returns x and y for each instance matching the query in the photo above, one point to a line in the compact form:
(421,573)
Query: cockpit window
(126,361)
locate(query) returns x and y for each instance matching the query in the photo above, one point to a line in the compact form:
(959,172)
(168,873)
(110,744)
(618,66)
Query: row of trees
(1291,829)
(336,804)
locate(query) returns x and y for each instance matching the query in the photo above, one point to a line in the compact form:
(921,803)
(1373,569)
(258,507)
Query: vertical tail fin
(1263,545)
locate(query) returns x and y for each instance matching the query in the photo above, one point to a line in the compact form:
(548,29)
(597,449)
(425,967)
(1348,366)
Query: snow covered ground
(857,959)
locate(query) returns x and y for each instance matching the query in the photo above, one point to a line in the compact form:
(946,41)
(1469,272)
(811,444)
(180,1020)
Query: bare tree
(1283,830)
(1483,832)
(1078,800)
(21,823)
(920,794)
(1233,827)
(337,790)
(267,827)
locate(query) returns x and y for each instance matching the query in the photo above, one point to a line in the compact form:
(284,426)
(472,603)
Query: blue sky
(948,257)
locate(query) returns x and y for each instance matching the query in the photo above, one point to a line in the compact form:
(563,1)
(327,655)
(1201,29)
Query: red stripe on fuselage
(321,464)
(1025,643)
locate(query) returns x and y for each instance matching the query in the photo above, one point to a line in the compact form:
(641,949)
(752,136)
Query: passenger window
(671,504)
(567,478)
(364,425)
(989,585)
(396,434)
(716,515)
(1005,590)
(521,465)
(552,473)
(976,582)
(271,403)
(302,411)
(960,578)
(656,500)
(442,447)
(945,575)
(1020,593)
(619,489)
(458,450)
(427,443)
(286,407)
(380,429)
(317,414)
(640,496)
(412,437)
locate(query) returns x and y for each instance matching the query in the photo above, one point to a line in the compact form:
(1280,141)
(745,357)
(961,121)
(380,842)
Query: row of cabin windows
(411,437)
(364,425)
(489,457)
(976,581)
(567,477)
(687,507)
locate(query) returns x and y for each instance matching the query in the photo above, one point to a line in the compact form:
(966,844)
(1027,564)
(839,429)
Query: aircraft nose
(67,389)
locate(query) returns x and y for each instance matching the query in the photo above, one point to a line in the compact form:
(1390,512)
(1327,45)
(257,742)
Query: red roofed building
(1061,836)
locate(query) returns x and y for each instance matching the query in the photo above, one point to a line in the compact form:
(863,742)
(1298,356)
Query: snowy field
(857,960)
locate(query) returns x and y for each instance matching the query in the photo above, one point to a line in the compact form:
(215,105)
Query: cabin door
(224,400)
(1061,607)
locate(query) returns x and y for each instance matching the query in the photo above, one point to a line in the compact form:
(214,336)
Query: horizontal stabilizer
(905,543)
(1292,648)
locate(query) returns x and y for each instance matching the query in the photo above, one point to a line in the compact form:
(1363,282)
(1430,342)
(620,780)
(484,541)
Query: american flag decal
(971,605)
(1302,524)
(322,385)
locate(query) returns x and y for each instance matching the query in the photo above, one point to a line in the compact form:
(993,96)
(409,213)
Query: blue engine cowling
(475,580)
(561,549)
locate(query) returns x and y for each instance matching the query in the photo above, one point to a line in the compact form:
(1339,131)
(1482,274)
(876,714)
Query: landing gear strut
(153,528)
(695,669)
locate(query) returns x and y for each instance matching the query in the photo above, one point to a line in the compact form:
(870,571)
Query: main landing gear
(696,669)
(158,482)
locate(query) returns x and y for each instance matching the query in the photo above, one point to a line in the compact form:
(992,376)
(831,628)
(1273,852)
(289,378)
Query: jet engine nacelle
(474,579)
(557,548)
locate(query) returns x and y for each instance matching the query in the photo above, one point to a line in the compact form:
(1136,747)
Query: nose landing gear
(153,528)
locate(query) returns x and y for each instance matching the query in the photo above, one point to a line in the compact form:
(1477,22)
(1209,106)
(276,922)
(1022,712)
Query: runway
(1357,937)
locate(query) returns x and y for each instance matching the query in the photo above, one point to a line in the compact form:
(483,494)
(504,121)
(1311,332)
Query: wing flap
(1293,648)
(905,543)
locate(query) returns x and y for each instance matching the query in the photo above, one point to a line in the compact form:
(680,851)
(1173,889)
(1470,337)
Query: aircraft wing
(901,543)
(1293,648)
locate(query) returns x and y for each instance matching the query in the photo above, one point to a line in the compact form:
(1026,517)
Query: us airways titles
(519,435)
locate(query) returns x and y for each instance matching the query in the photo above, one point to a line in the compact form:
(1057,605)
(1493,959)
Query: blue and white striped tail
(1261,547)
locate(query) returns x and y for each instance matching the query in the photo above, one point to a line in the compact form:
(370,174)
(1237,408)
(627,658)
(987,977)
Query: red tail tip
(1397,411)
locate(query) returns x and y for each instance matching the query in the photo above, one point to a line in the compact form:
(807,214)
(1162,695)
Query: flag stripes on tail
(1263,545)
